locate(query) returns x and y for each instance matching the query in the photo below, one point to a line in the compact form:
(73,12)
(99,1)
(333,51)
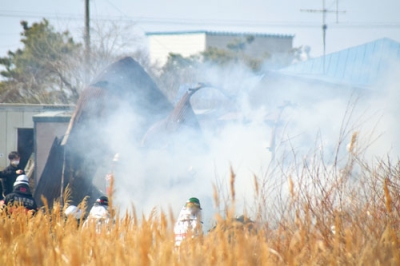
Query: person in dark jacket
(21,196)
(9,174)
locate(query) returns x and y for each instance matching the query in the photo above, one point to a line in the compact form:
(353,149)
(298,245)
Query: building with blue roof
(362,66)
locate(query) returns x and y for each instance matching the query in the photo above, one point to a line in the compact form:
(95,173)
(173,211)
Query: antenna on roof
(324,10)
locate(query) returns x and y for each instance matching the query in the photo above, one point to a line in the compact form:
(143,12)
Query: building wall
(160,46)
(190,43)
(45,133)
(258,47)
(11,121)
(13,117)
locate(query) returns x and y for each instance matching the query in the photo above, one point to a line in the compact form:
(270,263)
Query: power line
(203,22)
(116,8)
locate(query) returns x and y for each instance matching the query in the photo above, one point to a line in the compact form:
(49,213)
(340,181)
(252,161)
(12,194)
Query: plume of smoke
(317,117)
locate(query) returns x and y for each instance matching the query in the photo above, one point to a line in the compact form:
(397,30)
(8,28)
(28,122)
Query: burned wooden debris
(182,118)
(74,160)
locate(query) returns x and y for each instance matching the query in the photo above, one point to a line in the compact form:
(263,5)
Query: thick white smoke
(300,116)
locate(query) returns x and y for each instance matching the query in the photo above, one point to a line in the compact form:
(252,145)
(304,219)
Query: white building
(187,43)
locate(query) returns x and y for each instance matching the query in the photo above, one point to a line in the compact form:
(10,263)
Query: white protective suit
(189,222)
(100,216)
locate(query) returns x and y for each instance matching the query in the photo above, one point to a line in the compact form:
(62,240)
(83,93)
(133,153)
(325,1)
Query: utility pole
(87,42)
(324,26)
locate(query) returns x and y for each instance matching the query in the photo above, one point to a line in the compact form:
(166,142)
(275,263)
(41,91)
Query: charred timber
(181,120)
(124,83)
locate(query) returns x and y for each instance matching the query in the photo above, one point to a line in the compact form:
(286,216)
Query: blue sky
(362,21)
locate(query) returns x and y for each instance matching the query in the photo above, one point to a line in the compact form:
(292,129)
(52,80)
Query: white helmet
(73,211)
(21,179)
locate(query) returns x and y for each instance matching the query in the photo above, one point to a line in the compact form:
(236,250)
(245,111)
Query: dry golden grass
(49,239)
(342,217)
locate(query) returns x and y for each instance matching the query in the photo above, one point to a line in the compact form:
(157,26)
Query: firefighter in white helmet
(99,215)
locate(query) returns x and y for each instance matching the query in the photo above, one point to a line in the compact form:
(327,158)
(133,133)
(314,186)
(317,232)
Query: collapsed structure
(75,158)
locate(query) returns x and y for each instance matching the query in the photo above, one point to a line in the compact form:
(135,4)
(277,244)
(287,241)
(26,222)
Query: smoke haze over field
(262,125)
(317,119)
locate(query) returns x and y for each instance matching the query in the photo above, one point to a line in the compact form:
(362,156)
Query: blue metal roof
(359,66)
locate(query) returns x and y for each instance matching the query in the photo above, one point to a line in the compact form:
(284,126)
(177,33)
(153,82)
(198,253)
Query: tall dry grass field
(330,215)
